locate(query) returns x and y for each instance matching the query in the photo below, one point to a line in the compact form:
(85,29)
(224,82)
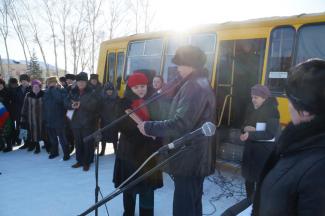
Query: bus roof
(252,23)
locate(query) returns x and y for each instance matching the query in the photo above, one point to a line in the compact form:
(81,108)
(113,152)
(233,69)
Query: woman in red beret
(134,148)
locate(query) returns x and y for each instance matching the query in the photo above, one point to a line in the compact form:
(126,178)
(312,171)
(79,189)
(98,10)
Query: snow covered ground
(33,185)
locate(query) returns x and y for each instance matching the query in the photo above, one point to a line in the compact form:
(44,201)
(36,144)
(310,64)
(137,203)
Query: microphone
(207,129)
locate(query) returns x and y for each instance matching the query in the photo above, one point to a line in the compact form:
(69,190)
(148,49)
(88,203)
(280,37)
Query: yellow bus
(239,55)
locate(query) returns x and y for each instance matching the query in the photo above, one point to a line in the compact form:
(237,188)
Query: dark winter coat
(193,105)
(18,96)
(293,180)
(86,115)
(109,113)
(134,148)
(257,149)
(31,115)
(96,88)
(53,107)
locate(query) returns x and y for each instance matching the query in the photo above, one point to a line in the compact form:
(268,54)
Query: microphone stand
(132,183)
(98,138)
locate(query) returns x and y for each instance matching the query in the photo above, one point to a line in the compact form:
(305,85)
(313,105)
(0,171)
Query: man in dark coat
(94,83)
(108,113)
(71,83)
(54,117)
(193,105)
(293,180)
(84,102)
(260,128)
(17,104)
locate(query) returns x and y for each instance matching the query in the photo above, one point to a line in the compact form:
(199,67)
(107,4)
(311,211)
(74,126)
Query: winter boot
(37,148)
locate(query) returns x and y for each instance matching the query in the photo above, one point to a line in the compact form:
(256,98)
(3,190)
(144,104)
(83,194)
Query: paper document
(70,114)
(260,126)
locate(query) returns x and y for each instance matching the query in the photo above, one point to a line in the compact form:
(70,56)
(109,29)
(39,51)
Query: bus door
(114,68)
(240,66)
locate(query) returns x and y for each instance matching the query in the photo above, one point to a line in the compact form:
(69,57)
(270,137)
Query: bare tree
(4,26)
(14,15)
(117,13)
(148,14)
(35,32)
(49,5)
(92,14)
(63,13)
(77,34)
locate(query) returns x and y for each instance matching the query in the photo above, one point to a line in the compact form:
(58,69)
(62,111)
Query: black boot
(102,152)
(30,145)
(37,148)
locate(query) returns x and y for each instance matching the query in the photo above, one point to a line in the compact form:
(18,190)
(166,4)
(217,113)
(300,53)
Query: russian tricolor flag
(4,115)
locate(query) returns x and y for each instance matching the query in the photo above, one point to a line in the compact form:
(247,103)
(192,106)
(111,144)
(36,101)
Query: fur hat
(190,56)
(137,79)
(52,79)
(94,76)
(262,91)
(70,76)
(24,77)
(13,80)
(2,82)
(82,76)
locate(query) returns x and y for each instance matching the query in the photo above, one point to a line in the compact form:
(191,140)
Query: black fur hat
(190,56)
(94,76)
(24,77)
(70,76)
(82,76)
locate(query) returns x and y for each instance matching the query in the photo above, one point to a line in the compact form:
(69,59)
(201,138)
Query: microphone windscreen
(208,129)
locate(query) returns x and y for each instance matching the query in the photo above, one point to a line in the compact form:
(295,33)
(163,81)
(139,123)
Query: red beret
(137,79)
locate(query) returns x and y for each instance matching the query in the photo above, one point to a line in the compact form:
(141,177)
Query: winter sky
(181,14)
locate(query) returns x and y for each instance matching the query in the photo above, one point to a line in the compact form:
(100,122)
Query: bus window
(120,63)
(206,42)
(280,58)
(144,55)
(311,43)
(111,67)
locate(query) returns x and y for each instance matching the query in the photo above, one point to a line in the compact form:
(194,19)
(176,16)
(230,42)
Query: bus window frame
(298,33)
(139,40)
(277,94)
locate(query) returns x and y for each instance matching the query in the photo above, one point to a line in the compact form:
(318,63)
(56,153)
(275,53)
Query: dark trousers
(188,196)
(53,135)
(146,203)
(69,135)
(84,151)
(250,189)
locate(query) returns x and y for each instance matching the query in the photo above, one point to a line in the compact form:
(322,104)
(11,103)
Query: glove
(23,134)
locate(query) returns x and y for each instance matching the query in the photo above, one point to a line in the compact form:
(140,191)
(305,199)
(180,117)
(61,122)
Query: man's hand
(141,129)
(249,129)
(243,137)
(75,104)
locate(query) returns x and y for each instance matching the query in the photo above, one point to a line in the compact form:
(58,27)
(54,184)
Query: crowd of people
(282,170)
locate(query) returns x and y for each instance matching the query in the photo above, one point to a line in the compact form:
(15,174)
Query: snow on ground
(33,185)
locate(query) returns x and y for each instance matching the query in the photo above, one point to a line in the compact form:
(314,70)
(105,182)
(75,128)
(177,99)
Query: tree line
(73,29)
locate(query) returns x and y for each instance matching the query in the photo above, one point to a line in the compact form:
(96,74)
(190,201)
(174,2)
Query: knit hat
(190,56)
(36,82)
(62,79)
(109,86)
(94,76)
(137,79)
(70,76)
(24,77)
(52,79)
(262,91)
(82,76)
